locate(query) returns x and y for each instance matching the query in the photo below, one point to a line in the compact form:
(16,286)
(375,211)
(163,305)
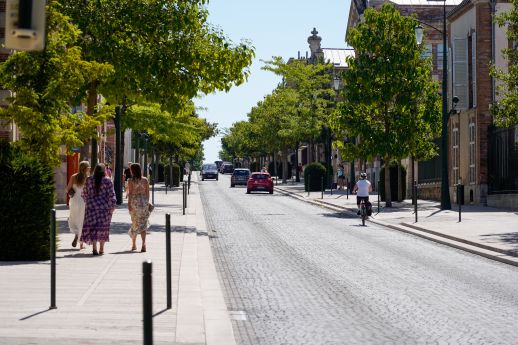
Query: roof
(426,2)
(337,56)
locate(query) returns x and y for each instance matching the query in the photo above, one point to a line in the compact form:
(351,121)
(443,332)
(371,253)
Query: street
(294,273)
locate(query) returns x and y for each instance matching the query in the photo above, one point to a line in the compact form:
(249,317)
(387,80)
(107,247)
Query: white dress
(77,211)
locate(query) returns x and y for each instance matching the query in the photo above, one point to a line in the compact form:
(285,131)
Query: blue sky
(275,28)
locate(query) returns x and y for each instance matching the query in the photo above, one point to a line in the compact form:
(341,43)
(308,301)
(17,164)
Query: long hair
(82,174)
(136,172)
(99,174)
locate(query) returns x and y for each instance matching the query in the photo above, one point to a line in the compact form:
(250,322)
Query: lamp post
(445,192)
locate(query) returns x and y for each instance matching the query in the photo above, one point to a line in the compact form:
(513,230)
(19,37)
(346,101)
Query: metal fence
(430,170)
(503,160)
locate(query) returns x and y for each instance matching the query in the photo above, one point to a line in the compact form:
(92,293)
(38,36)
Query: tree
(45,84)
(505,110)
(390,100)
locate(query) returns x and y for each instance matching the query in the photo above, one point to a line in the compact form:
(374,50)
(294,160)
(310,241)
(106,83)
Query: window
(455,154)
(460,71)
(474,68)
(427,52)
(440,56)
(472,151)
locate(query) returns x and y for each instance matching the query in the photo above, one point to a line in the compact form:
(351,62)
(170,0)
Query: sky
(275,28)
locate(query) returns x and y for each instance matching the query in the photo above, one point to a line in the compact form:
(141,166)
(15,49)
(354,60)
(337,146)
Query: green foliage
(164,51)
(313,174)
(394,183)
(390,99)
(44,84)
(505,110)
(26,196)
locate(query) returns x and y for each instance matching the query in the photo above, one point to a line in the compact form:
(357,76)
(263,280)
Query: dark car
(239,176)
(227,168)
(209,171)
(259,181)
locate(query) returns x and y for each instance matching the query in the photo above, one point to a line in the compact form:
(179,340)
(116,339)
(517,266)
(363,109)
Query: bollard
(183,198)
(153,190)
(147,299)
(347,188)
(189,183)
(168,259)
(309,184)
(459,186)
(53,260)
(379,196)
(322,187)
(166,189)
(414,199)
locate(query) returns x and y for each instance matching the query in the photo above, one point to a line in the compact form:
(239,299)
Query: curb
(488,252)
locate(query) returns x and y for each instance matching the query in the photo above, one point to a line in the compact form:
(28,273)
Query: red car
(259,181)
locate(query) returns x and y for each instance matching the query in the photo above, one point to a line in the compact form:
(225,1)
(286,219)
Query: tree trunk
(275,165)
(388,196)
(90,109)
(399,184)
(284,165)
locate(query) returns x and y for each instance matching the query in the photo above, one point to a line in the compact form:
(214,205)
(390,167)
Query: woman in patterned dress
(138,201)
(100,202)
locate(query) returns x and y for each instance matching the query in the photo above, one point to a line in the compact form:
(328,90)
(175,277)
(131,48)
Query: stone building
(482,159)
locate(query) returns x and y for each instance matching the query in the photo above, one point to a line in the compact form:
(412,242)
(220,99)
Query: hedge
(313,174)
(27,197)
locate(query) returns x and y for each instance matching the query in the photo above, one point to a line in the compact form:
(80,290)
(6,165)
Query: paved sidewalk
(99,299)
(485,231)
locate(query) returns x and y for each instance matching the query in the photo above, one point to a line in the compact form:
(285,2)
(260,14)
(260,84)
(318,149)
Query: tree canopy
(505,110)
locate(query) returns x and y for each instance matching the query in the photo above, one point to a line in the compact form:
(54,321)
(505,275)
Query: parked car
(239,176)
(226,168)
(218,164)
(209,171)
(259,181)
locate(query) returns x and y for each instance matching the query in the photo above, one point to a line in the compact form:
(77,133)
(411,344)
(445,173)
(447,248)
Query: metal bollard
(183,198)
(147,299)
(189,183)
(322,187)
(347,188)
(379,192)
(309,184)
(53,260)
(459,186)
(168,259)
(414,197)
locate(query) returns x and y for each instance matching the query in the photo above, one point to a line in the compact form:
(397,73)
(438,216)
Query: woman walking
(138,205)
(77,203)
(100,203)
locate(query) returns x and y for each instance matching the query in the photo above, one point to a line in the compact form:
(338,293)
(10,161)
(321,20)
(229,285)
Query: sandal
(143,250)
(133,248)
(74,242)
(94,252)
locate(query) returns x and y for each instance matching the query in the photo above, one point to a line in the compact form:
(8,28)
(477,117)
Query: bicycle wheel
(363,219)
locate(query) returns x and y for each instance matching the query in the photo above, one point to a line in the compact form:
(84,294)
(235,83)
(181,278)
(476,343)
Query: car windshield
(241,172)
(209,166)
(260,176)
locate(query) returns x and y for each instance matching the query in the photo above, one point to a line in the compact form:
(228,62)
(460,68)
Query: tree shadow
(508,238)
(343,215)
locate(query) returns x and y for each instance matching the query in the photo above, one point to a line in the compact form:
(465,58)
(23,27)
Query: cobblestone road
(294,273)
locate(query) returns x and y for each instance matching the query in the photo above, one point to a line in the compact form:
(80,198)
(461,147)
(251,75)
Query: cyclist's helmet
(363,175)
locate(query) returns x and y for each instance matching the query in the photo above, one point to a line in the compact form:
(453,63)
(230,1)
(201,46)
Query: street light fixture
(445,192)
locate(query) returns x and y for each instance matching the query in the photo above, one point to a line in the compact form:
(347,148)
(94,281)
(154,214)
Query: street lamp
(445,192)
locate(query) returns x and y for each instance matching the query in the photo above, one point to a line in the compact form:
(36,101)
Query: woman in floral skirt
(138,205)
(100,202)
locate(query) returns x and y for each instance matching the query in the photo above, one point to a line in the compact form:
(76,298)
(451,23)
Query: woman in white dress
(77,203)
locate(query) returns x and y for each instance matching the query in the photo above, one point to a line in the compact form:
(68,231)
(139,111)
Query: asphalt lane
(295,273)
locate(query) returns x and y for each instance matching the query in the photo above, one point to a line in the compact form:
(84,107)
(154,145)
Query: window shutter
(460,71)
(474,66)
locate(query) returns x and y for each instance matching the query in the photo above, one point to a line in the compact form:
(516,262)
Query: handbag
(71,192)
(150,207)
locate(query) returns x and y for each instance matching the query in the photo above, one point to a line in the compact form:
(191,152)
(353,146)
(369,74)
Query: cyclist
(362,188)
